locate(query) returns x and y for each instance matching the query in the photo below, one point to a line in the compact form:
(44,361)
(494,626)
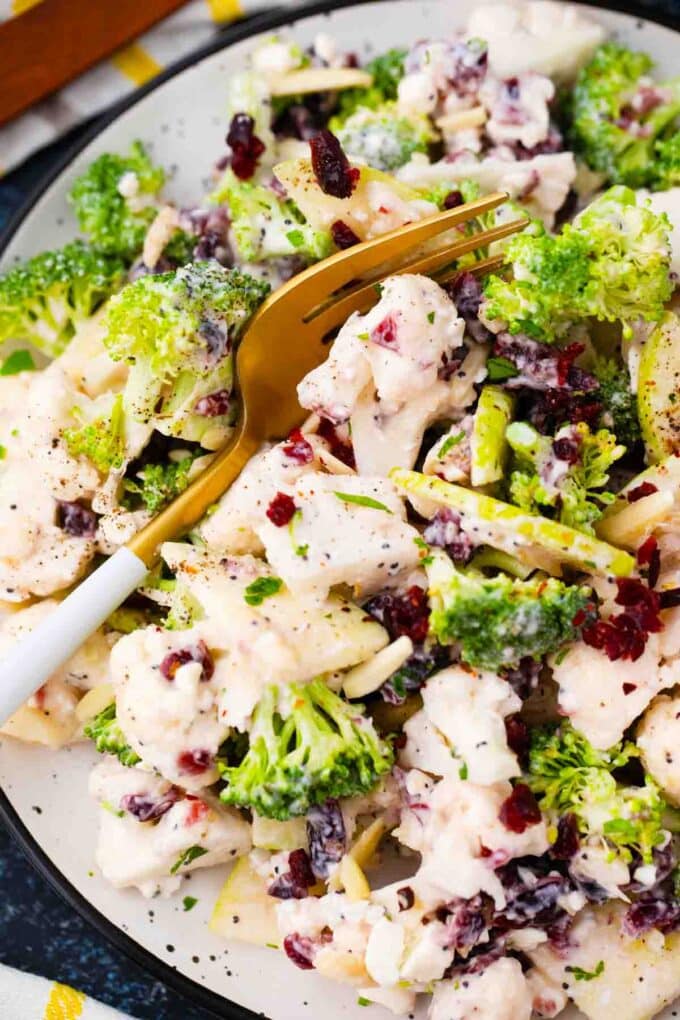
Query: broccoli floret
(158,484)
(114,222)
(612,263)
(177,331)
(499,620)
(618,115)
(265,226)
(319,747)
(387,71)
(620,410)
(101,440)
(667,164)
(570,776)
(44,300)
(109,738)
(565,474)
(381,137)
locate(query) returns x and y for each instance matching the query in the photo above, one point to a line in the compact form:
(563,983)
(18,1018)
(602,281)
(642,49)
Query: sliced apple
(244,911)
(488,445)
(659,389)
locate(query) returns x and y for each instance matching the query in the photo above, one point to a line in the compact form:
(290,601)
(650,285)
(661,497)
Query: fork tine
(477,268)
(363,297)
(321,279)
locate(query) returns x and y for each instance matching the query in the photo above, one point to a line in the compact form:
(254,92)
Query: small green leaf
(3,452)
(499,369)
(430,317)
(189,902)
(449,443)
(362,1001)
(192,854)
(108,806)
(586,975)
(18,361)
(296,238)
(372,504)
(261,589)
(463,771)
(363,336)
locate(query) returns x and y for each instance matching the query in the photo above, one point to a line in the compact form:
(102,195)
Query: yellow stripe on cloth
(224,10)
(19,6)
(64,1003)
(136,64)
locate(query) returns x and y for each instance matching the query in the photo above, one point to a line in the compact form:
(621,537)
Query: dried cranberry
(246,147)
(466,293)
(565,360)
(405,897)
(413,673)
(649,555)
(326,836)
(407,614)
(542,367)
(451,362)
(651,912)
(549,410)
(300,950)
(331,167)
(281,510)
(297,448)
(295,883)
(523,678)
(567,448)
(196,653)
(343,236)
(445,532)
(624,636)
(640,491)
(517,735)
(520,810)
(466,921)
(338,447)
(453,200)
(214,404)
(567,842)
(76,520)
(146,808)
(193,763)
(385,333)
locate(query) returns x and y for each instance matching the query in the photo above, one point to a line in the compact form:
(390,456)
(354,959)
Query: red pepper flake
(343,236)
(298,449)
(246,147)
(520,810)
(281,509)
(331,167)
(641,491)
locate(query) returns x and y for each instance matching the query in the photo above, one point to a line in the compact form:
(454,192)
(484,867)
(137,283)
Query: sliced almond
(353,880)
(626,527)
(319,79)
(461,120)
(369,676)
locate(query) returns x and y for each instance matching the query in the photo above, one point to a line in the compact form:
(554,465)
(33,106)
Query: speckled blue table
(38,932)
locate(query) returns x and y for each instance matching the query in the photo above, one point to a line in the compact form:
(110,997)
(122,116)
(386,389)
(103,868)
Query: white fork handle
(33,659)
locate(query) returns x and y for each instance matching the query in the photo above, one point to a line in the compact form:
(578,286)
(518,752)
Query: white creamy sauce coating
(500,992)
(518,109)
(465,710)
(145,854)
(658,737)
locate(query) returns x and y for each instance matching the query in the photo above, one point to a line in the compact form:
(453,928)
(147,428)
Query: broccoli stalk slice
(496,621)
(108,737)
(44,300)
(488,443)
(323,747)
(511,530)
(570,776)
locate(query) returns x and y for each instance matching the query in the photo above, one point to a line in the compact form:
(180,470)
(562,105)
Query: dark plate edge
(216,1004)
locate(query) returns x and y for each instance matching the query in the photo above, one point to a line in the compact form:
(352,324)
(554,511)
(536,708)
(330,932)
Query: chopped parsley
(296,238)
(189,902)
(372,504)
(499,369)
(261,589)
(18,361)
(463,771)
(430,317)
(449,443)
(586,975)
(363,1001)
(422,544)
(192,854)
(299,550)
(3,452)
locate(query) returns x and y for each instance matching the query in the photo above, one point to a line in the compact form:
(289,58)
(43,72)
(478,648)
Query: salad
(437,627)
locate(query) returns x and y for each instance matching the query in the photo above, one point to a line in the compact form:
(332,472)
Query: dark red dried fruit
(343,236)
(568,841)
(297,448)
(523,678)
(300,950)
(669,599)
(214,404)
(193,763)
(624,636)
(326,836)
(445,532)
(453,200)
(640,491)
(295,883)
(567,448)
(405,897)
(331,167)
(517,735)
(565,361)
(648,555)
(466,921)
(338,447)
(385,333)
(196,653)
(651,912)
(76,520)
(146,808)
(520,810)
(407,614)
(246,147)
(281,510)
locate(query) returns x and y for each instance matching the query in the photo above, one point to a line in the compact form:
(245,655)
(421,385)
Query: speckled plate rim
(191,990)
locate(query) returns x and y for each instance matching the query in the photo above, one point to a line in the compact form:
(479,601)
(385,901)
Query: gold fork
(286,338)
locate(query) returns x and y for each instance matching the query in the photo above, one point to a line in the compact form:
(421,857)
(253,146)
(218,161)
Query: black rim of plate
(157,968)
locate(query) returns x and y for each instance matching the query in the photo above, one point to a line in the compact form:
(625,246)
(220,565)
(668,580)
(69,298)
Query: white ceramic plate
(46,802)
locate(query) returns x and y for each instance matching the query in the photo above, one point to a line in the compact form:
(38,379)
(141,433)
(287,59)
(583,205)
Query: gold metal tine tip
(335,272)
(336,312)
(479,268)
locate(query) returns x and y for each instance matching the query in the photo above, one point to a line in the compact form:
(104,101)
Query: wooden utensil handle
(57,40)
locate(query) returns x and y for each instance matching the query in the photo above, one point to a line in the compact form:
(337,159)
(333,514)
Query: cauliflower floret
(658,737)
(464,710)
(669,202)
(603,710)
(453,825)
(150,834)
(518,109)
(596,868)
(500,992)
(551,38)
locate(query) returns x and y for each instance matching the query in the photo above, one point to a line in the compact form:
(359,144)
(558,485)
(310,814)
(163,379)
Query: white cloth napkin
(26,997)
